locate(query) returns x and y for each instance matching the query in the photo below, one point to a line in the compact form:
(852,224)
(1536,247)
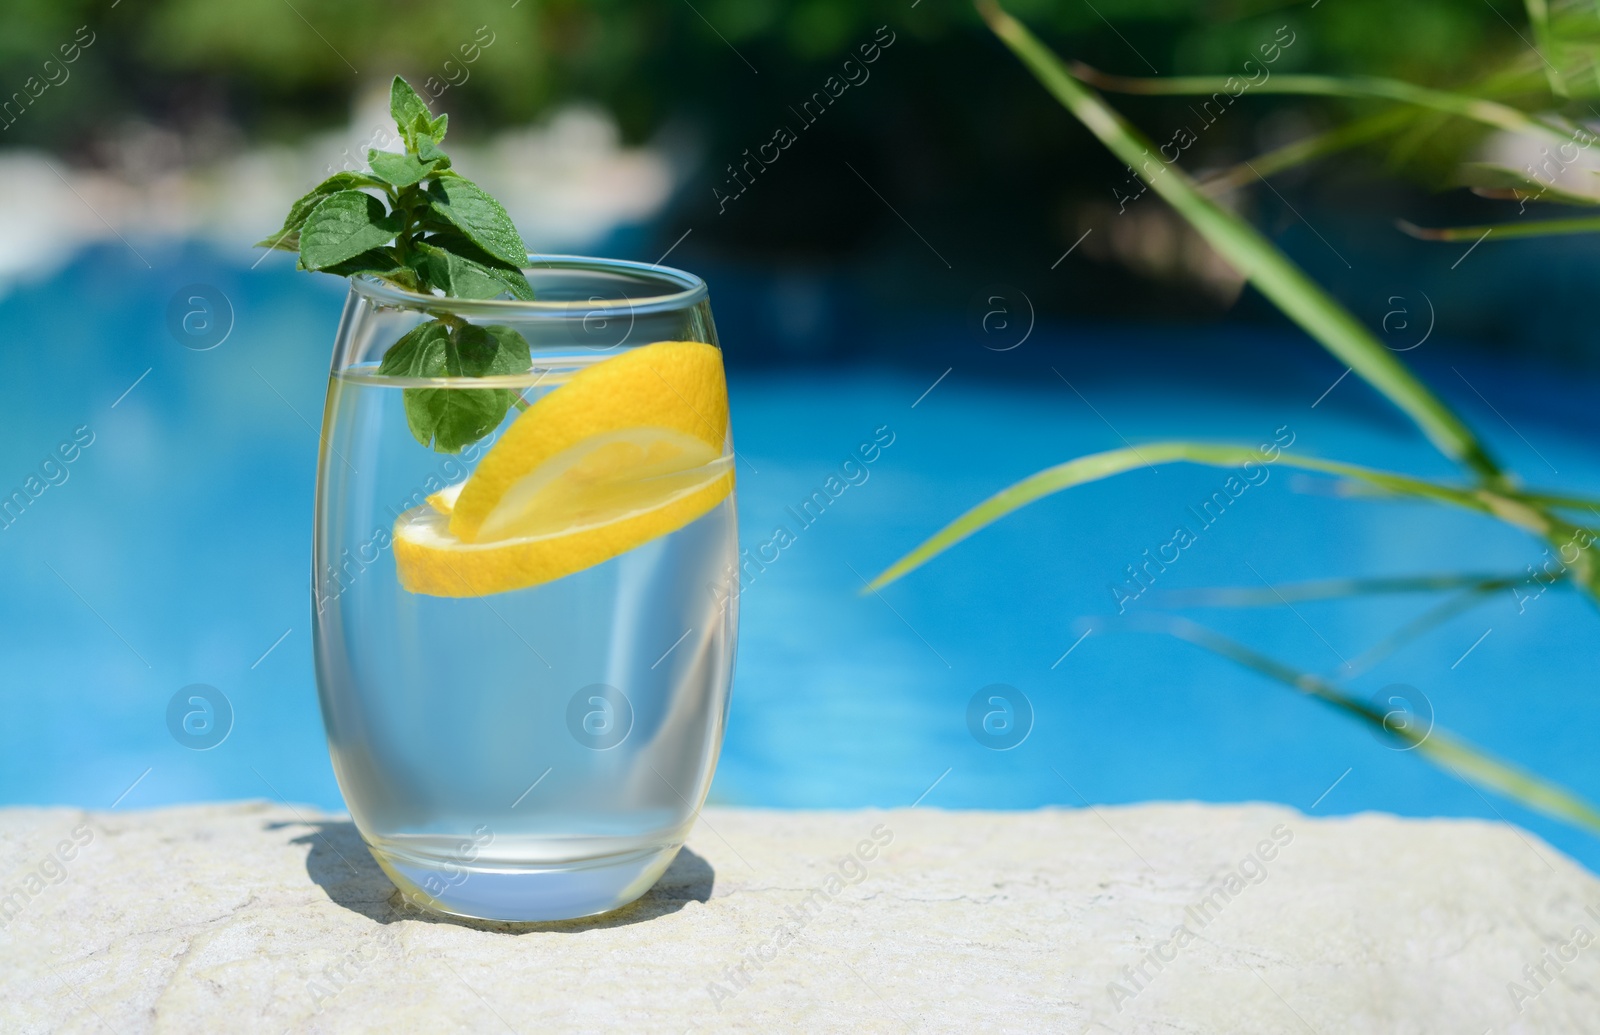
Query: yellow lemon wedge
(444,501)
(675,385)
(628,450)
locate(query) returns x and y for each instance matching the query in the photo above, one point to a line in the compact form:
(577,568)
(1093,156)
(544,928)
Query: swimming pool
(172,550)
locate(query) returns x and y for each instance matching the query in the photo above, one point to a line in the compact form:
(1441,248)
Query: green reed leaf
(1466,762)
(1244,248)
(1299,152)
(1544,40)
(1466,106)
(1098,466)
(1282,594)
(1457,604)
(1504,231)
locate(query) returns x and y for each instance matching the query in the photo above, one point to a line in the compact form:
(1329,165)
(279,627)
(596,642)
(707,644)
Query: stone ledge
(252,917)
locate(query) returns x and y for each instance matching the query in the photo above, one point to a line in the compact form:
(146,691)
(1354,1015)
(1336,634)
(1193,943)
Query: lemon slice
(432,561)
(674,385)
(598,480)
(638,462)
(444,501)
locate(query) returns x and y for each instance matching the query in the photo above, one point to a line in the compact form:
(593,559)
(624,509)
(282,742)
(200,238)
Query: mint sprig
(419,225)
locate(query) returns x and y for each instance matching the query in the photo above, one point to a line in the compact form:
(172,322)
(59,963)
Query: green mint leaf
(471,210)
(457,417)
(342,226)
(452,237)
(399,170)
(285,240)
(379,262)
(420,352)
(466,415)
(410,112)
(491,350)
(428,150)
(462,270)
(288,237)
(449,419)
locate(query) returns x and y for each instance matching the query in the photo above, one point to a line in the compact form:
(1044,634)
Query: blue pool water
(174,552)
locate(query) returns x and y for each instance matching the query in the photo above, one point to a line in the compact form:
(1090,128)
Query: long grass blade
(1541,498)
(1330,589)
(1461,759)
(1097,466)
(1244,248)
(1476,109)
(1544,39)
(1504,231)
(1270,163)
(1432,618)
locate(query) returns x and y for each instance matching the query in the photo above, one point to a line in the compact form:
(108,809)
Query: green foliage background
(974,155)
(284,68)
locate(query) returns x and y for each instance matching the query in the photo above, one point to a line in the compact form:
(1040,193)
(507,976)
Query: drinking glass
(541,752)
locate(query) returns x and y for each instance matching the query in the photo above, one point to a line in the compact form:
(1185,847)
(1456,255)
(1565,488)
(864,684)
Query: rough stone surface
(249,917)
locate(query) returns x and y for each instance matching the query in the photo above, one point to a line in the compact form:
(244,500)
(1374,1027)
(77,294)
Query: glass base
(524,894)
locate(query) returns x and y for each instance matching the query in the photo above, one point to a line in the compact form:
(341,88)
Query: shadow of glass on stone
(340,864)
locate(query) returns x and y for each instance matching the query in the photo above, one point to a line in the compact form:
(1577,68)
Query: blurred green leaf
(1463,760)
(1505,231)
(1269,270)
(1320,145)
(1097,466)
(1330,589)
(1490,113)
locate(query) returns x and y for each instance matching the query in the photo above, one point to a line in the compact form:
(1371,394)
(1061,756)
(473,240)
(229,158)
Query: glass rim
(692,290)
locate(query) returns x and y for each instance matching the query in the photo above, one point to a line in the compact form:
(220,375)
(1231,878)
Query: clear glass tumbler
(524,711)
